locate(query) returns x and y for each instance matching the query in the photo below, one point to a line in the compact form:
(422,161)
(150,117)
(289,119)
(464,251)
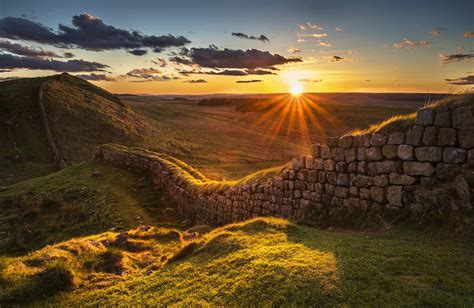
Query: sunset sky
(194,47)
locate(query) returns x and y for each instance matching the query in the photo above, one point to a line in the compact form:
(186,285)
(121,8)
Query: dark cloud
(68,55)
(294,50)
(196,81)
(310,80)
(261,38)
(437,31)
(181,60)
(462,80)
(148,74)
(87,32)
(159,61)
(138,52)
(95,77)
(249,81)
(455,57)
(26,50)
(228,72)
(469,34)
(336,59)
(251,59)
(12,62)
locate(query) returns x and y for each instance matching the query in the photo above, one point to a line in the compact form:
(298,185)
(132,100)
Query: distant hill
(80,115)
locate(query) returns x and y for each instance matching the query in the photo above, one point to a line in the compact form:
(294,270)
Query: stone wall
(428,169)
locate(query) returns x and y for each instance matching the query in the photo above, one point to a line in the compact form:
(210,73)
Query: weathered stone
(297,163)
(285,174)
(381,180)
(463,117)
(425,116)
(292,175)
(350,154)
(319,164)
(387,166)
(429,135)
(329,165)
(325,152)
(364,193)
(470,157)
(373,153)
(442,117)
(454,155)
(331,178)
(341,166)
(372,168)
(318,188)
(321,176)
(362,167)
(396,138)
(353,191)
(427,181)
(377,194)
(361,141)
(466,138)
(332,141)
(378,140)
(352,167)
(338,154)
(390,151)
(316,150)
(341,192)
(418,168)
(361,153)
(401,179)
(394,195)
(405,152)
(446,137)
(345,142)
(415,135)
(354,202)
(432,154)
(329,189)
(312,176)
(447,171)
(364,205)
(364,181)
(335,201)
(342,179)
(302,175)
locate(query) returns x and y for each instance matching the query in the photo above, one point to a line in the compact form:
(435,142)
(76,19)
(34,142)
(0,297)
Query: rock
(362,167)
(341,167)
(352,167)
(353,191)
(378,140)
(329,165)
(338,154)
(373,153)
(405,152)
(466,138)
(325,152)
(361,141)
(425,116)
(331,178)
(377,194)
(390,151)
(427,181)
(387,166)
(415,135)
(463,117)
(350,154)
(364,193)
(312,176)
(429,135)
(342,179)
(345,142)
(297,163)
(381,180)
(309,162)
(361,153)
(316,150)
(442,117)
(470,157)
(363,180)
(319,164)
(418,168)
(447,171)
(341,192)
(401,179)
(446,137)
(332,141)
(396,138)
(432,154)
(454,155)
(394,195)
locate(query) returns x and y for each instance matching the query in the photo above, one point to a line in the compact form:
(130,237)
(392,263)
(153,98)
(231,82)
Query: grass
(264,262)
(83,199)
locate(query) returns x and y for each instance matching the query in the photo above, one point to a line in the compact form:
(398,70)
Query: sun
(296,90)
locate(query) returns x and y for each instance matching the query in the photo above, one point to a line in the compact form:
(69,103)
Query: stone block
(442,117)
(341,166)
(329,165)
(321,176)
(425,116)
(341,192)
(331,178)
(292,175)
(329,189)
(387,166)
(364,193)
(390,151)
(362,167)
(415,135)
(302,175)
(470,157)
(325,152)
(418,168)
(352,167)
(350,154)
(338,154)
(363,181)
(432,154)
(401,179)
(316,150)
(463,117)
(446,137)
(335,201)
(361,153)
(396,138)
(373,153)
(319,164)
(309,162)
(381,180)
(377,194)
(342,179)
(430,135)
(318,188)
(378,140)
(466,138)
(454,155)
(297,163)
(447,171)
(405,152)
(364,205)
(427,181)
(372,168)
(361,141)
(394,195)
(345,142)
(312,176)
(353,191)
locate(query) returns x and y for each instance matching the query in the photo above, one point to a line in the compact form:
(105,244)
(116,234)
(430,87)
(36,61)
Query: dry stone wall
(430,168)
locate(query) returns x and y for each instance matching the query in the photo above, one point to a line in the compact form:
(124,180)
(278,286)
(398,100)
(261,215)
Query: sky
(201,47)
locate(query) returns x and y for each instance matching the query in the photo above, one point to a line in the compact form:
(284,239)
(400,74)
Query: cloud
(437,31)
(26,50)
(68,55)
(11,62)
(138,52)
(261,38)
(309,25)
(88,32)
(406,43)
(310,80)
(339,29)
(196,81)
(251,59)
(300,40)
(335,59)
(462,80)
(148,74)
(159,61)
(312,34)
(261,72)
(323,44)
(9,78)
(294,50)
(229,72)
(95,77)
(445,59)
(469,34)
(181,60)
(249,81)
